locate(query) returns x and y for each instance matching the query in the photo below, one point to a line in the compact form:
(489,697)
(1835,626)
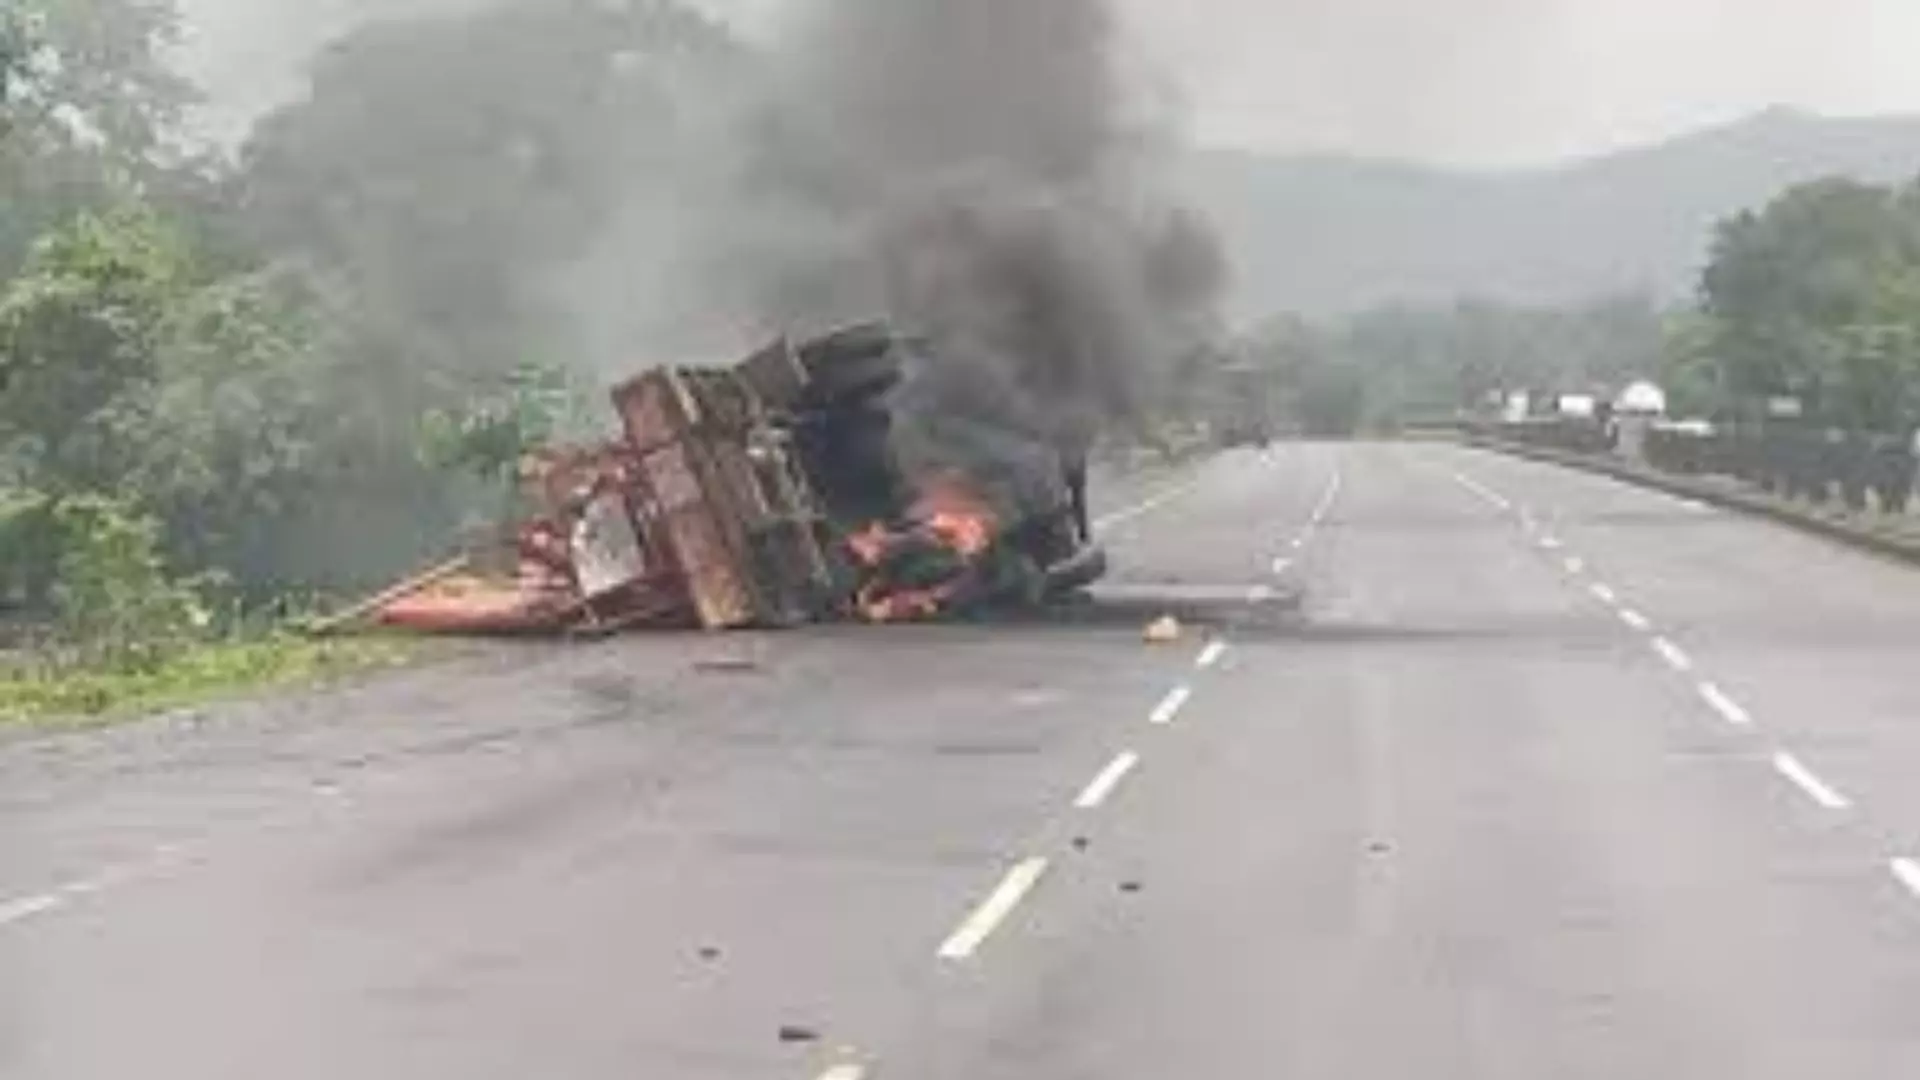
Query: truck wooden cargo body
(733,498)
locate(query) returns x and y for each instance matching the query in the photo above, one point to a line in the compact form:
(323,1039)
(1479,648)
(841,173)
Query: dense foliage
(229,378)
(1383,368)
(1817,297)
(1813,299)
(304,365)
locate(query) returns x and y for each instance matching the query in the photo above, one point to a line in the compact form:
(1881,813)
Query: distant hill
(1323,235)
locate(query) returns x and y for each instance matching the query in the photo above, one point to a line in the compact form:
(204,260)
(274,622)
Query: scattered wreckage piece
(576,564)
(767,494)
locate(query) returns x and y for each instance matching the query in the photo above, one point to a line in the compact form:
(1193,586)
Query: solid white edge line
(1604,594)
(1675,657)
(1210,655)
(14,911)
(1907,872)
(1103,785)
(1171,705)
(845,1072)
(980,925)
(1811,785)
(1260,594)
(1729,709)
(1635,619)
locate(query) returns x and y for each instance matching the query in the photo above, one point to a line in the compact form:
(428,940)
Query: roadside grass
(36,692)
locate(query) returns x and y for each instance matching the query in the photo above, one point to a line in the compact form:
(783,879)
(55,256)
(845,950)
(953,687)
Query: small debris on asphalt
(709,953)
(1165,630)
(1130,886)
(1080,843)
(1379,847)
(790,1033)
(727,665)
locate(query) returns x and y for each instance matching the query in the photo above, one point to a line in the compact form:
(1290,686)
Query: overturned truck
(772,493)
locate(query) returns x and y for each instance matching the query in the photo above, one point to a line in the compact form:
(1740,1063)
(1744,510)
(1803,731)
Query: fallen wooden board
(365,608)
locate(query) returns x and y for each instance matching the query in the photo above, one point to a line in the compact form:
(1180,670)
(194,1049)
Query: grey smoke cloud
(995,166)
(988,173)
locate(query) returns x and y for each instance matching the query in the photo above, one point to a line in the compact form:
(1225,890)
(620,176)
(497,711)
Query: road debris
(1165,630)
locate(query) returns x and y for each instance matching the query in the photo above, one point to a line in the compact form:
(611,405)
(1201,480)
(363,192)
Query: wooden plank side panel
(721,594)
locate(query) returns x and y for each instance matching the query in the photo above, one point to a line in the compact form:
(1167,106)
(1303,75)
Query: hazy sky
(1457,81)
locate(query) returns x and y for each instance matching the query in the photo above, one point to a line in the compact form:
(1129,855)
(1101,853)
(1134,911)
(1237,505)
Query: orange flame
(950,514)
(869,545)
(949,510)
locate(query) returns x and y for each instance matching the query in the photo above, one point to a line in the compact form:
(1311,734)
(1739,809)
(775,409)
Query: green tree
(1689,369)
(1818,296)
(17,47)
(116,600)
(90,112)
(80,335)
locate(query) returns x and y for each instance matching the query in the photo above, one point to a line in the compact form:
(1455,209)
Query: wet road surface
(1466,767)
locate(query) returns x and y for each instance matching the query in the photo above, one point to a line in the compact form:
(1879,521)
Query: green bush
(117,606)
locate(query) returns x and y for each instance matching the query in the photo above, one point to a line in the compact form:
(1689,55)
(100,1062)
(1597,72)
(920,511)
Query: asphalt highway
(1463,767)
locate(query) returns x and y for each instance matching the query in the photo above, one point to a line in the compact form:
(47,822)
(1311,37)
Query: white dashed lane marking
(994,910)
(1729,709)
(27,907)
(845,1072)
(1809,784)
(1907,872)
(1796,772)
(1211,655)
(1170,706)
(1103,785)
(1675,657)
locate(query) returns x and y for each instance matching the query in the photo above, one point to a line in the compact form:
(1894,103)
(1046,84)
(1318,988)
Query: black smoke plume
(984,172)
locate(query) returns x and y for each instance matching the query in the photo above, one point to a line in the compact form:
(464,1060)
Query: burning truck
(815,480)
